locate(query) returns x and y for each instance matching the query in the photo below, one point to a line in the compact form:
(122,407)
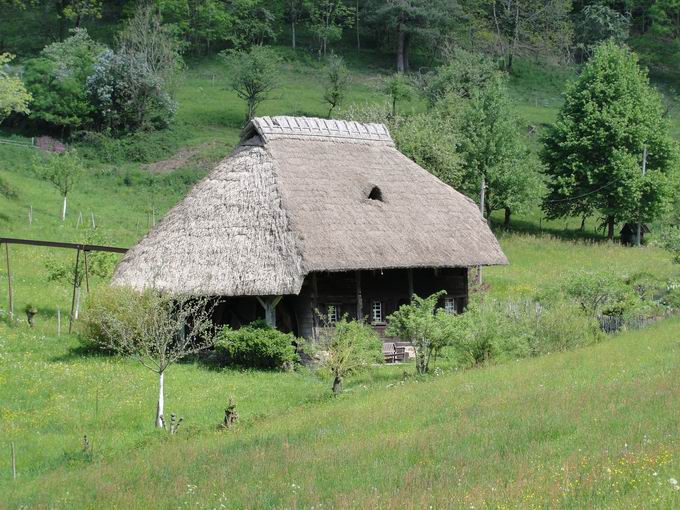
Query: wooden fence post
(14,462)
(73,297)
(9,284)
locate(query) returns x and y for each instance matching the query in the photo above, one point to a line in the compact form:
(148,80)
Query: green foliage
(601,293)
(253,75)
(497,330)
(13,94)
(61,170)
(428,330)
(99,264)
(126,96)
(597,23)
(594,152)
(398,88)
(336,83)
(56,80)
(132,89)
(472,94)
(349,346)
(671,242)
(327,20)
(256,346)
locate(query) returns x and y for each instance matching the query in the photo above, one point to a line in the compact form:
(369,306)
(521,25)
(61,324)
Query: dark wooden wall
(390,286)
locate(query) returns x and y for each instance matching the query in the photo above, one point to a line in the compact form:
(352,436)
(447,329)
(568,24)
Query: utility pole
(638,239)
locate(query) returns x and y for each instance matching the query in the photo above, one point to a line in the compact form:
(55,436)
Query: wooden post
(14,462)
(269,304)
(9,284)
(360,301)
(73,297)
(87,277)
(315,306)
(30,215)
(410,283)
(58,321)
(94,225)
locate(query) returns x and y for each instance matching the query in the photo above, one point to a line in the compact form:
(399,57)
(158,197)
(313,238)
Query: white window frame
(380,318)
(450,305)
(335,316)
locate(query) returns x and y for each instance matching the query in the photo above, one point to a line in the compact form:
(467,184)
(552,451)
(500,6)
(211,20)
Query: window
(377,311)
(375,194)
(450,305)
(333,312)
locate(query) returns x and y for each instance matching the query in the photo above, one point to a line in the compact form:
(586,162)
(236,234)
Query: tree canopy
(594,153)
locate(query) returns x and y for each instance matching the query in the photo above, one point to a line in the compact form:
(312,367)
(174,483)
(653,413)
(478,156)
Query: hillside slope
(595,427)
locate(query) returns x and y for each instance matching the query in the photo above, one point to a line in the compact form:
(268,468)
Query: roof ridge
(314,128)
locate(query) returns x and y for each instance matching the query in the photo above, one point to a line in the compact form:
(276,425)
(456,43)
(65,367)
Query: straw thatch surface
(292,199)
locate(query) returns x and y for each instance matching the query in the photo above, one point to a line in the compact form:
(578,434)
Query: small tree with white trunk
(63,171)
(156,328)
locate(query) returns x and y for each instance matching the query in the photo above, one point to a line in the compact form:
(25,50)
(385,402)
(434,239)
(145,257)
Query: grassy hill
(596,427)
(593,425)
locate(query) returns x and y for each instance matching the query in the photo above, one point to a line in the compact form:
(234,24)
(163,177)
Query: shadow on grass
(520,226)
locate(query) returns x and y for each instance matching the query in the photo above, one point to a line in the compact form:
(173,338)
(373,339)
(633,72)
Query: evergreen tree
(594,152)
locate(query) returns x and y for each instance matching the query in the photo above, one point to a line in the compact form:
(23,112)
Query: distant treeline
(411,30)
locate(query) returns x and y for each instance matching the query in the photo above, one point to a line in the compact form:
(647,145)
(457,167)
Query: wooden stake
(87,278)
(9,283)
(360,299)
(30,215)
(73,298)
(14,462)
(94,225)
(58,321)
(80,219)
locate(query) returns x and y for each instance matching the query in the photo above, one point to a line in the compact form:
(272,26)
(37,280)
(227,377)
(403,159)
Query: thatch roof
(294,198)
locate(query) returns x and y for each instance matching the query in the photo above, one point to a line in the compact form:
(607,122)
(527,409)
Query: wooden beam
(87,278)
(269,304)
(315,307)
(360,300)
(73,297)
(54,244)
(9,284)
(410,283)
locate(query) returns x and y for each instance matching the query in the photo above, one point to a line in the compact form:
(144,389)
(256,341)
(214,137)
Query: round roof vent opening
(375,194)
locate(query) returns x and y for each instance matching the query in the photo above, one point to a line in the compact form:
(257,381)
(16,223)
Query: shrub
(256,346)
(351,346)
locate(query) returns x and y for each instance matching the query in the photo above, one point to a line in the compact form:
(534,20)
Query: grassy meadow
(594,427)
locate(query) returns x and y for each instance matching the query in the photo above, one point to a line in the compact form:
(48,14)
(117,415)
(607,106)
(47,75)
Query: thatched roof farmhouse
(306,203)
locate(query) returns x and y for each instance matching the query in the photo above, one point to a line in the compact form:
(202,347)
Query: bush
(511,330)
(107,302)
(256,346)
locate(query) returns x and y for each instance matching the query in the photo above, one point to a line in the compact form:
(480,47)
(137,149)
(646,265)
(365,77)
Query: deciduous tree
(155,328)
(595,150)
(13,94)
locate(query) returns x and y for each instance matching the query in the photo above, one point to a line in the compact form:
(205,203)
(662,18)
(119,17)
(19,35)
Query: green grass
(596,427)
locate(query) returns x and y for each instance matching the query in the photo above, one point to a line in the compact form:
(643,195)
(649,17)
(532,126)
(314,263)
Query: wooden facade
(372,295)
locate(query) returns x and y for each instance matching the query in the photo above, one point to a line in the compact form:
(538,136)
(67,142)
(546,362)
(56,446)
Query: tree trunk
(77,310)
(161,402)
(357,26)
(583,224)
(407,45)
(610,228)
(337,385)
(63,210)
(506,219)
(292,27)
(400,50)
